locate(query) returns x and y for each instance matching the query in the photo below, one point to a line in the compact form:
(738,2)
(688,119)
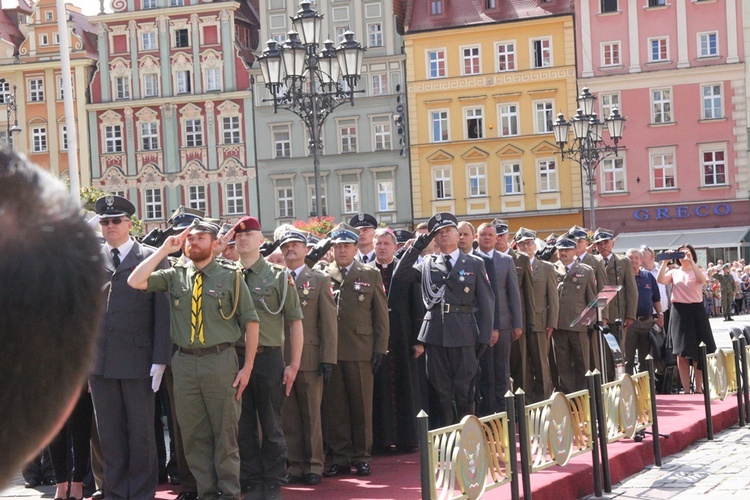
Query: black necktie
(364,259)
(447,260)
(116,257)
(343,273)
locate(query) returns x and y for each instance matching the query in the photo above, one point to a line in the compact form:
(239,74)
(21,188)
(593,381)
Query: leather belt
(203,351)
(644,318)
(265,348)
(458,309)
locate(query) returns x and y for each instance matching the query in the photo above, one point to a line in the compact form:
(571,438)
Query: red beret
(247,224)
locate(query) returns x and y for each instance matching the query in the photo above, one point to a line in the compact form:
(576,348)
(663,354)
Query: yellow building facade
(481,103)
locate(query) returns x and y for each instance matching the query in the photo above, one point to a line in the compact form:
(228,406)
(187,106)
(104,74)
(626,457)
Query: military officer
(301,414)
(363,341)
(460,307)
(546,310)
(571,343)
(366,225)
(728,287)
(210,308)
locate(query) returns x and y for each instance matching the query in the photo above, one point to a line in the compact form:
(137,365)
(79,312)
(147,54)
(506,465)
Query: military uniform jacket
(546,299)
(727,283)
(523,271)
(362,312)
(466,285)
(600,273)
(135,327)
(576,290)
(319,324)
(620,272)
(275,299)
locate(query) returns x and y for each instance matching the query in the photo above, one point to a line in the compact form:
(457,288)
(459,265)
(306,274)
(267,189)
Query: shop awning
(700,238)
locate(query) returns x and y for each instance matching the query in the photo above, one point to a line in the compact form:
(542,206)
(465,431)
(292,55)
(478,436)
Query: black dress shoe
(32,483)
(187,496)
(337,470)
(98,495)
(312,478)
(174,479)
(49,481)
(363,469)
(292,479)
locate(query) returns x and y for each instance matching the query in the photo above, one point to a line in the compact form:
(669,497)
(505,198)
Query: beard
(197,254)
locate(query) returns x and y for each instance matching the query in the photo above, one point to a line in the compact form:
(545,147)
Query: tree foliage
(90,194)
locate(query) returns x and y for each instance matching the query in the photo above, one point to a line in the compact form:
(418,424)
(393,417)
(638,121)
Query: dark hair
(692,251)
(50,303)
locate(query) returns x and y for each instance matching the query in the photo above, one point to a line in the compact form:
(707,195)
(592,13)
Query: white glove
(157,372)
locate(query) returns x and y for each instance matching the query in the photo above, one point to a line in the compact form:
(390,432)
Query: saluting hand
(175,242)
(223,242)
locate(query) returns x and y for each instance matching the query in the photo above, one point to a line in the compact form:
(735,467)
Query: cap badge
(109,200)
(360,217)
(242,226)
(438,217)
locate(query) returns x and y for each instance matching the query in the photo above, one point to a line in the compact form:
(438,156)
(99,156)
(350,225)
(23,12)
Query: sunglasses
(107,222)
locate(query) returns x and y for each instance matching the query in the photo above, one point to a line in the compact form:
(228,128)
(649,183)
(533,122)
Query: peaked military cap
(225,228)
(524,234)
(565,242)
(312,240)
(402,235)
(602,234)
(442,219)
(344,233)
(290,236)
(247,224)
(202,226)
(184,216)
(363,220)
(578,232)
(113,206)
(501,226)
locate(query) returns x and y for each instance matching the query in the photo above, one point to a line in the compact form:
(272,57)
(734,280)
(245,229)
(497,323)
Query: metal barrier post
(745,389)
(523,437)
(426,472)
(738,376)
(510,410)
(595,460)
(602,425)
(654,418)
(707,393)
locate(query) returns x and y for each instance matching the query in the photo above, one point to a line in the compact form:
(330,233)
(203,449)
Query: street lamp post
(309,83)
(588,148)
(11,107)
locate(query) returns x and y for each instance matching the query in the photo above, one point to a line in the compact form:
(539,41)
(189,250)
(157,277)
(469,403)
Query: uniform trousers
(573,360)
(124,410)
(451,371)
(541,378)
(187,481)
(349,410)
(494,380)
(638,339)
(209,414)
(263,459)
(300,418)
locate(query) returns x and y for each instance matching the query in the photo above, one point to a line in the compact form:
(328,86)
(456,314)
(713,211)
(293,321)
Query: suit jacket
(600,274)
(576,289)
(319,325)
(620,272)
(504,281)
(465,285)
(546,299)
(362,312)
(523,270)
(135,329)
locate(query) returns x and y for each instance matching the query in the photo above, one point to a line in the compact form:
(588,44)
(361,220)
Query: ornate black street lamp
(588,148)
(309,83)
(12,108)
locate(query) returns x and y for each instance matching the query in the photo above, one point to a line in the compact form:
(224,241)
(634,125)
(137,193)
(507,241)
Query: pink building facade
(676,71)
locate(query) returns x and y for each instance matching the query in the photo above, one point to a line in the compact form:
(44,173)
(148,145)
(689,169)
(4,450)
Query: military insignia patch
(109,200)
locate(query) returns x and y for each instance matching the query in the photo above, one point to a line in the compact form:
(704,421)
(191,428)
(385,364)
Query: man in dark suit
(133,351)
(494,381)
(460,307)
(362,344)
(301,413)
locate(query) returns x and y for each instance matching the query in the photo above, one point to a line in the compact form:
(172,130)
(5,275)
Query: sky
(91,7)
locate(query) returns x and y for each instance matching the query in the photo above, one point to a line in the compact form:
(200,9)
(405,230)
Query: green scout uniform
(207,410)
(276,300)
(727,293)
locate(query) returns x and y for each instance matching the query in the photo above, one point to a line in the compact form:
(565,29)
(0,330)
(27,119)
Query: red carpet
(397,476)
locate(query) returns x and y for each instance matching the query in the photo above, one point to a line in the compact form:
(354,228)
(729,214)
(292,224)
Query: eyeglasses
(107,222)
(646,248)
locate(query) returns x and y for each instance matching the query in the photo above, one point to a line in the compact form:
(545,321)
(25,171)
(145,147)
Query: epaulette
(229,264)
(278,267)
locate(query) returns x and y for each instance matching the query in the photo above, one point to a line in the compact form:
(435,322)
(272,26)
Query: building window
(708,45)
(471,61)
(386,198)
(611,54)
(613,175)
(658,49)
(43,40)
(712,101)
(311,196)
(661,106)
(547,175)
(610,102)
(608,6)
(151,85)
(153,204)
(183,82)
(477,180)
(351,197)
(506,56)
(714,168)
(193,133)
(39,139)
(231,129)
(375,34)
(512,178)
(60,94)
(148,40)
(36,90)
(544,116)
(439,121)
(197,197)
(508,120)
(474,123)
(122,87)
(340,30)
(490,4)
(663,170)
(55,38)
(176,3)
(442,182)
(657,3)
(181,38)
(4,92)
(235,196)
(436,59)
(149,4)
(48,15)
(282,141)
(64,138)
(347,136)
(381,133)
(436,7)
(113,139)
(285,202)
(542,53)
(149,136)
(213,79)
(379,83)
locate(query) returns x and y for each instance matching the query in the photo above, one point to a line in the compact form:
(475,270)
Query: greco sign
(472,460)
(559,429)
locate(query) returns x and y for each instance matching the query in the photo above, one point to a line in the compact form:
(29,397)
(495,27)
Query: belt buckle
(447,308)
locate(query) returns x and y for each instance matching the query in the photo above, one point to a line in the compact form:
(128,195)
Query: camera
(675,256)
